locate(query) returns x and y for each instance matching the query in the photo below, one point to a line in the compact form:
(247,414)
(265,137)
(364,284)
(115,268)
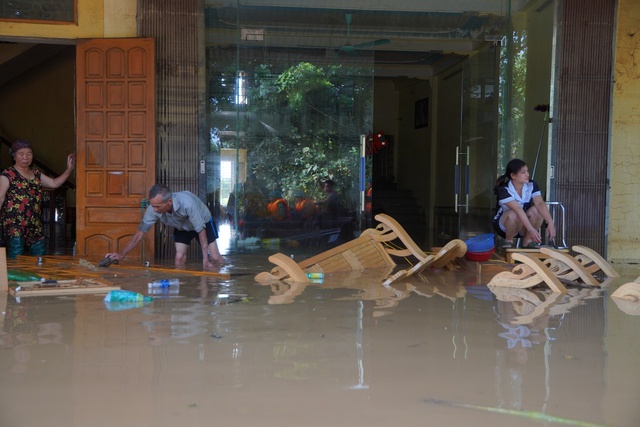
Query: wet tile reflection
(348,351)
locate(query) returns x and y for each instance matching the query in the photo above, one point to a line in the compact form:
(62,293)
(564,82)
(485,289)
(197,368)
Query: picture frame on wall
(422,113)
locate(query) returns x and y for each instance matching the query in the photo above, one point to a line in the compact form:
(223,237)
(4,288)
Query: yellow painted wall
(624,204)
(96,19)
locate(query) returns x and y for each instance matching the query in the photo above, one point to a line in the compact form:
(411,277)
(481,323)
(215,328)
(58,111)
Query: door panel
(115,142)
(476,153)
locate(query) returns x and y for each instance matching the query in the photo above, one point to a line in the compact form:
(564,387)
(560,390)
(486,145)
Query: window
(63,11)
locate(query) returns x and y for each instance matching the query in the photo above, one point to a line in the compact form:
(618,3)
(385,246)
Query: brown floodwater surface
(436,350)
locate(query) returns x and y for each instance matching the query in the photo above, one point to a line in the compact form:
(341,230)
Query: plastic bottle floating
(167,290)
(126,296)
(164,283)
(125,300)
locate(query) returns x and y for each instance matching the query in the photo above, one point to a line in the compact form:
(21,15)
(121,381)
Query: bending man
(190,218)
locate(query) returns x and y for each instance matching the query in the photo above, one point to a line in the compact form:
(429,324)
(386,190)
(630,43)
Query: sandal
(532,245)
(507,245)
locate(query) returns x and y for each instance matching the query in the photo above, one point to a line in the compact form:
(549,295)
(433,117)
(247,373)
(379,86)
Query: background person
(521,208)
(21,200)
(190,218)
(328,207)
(278,207)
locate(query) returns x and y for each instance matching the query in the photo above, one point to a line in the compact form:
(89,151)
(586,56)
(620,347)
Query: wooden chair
(629,291)
(627,297)
(374,248)
(566,267)
(530,273)
(580,268)
(363,252)
(593,262)
(558,266)
(454,249)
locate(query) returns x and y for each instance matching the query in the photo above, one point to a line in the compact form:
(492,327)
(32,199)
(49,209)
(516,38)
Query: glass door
(290,100)
(476,151)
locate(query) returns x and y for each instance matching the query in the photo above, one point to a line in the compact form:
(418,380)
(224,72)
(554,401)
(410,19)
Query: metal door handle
(466,183)
(457,179)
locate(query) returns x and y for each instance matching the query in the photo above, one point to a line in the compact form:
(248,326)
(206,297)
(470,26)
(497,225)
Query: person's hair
(19,144)
(160,189)
(512,168)
(330,183)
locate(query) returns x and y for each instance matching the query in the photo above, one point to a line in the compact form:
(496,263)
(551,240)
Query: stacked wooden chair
(558,269)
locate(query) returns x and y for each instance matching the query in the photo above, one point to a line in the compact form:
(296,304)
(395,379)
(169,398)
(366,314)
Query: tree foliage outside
(301,125)
(513,73)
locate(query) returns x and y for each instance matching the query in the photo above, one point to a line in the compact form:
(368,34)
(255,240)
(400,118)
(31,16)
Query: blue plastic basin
(482,243)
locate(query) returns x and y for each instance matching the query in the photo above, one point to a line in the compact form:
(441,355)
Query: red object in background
(375,142)
(479,256)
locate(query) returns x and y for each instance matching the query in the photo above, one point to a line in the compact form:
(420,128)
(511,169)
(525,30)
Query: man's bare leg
(181,254)
(214,253)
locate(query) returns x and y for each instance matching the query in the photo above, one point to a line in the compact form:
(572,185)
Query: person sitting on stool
(521,208)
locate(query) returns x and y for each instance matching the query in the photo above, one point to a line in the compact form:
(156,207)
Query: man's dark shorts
(185,237)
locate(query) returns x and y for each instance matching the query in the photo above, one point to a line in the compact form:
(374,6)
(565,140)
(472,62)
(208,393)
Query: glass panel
(44,10)
(286,128)
(477,154)
(526,87)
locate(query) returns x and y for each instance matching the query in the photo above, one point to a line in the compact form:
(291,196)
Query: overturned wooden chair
(580,268)
(627,297)
(454,249)
(531,272)
(593,262)
(629,291)
(558,267)
(363,252)
(374,248)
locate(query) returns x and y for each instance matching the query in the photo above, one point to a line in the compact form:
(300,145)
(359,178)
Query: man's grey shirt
(189,213)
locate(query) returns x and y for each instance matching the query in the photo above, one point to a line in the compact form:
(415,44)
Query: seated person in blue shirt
(521,207)
(190,218)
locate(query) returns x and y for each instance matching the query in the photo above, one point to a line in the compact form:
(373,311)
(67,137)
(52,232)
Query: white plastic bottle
(164,283)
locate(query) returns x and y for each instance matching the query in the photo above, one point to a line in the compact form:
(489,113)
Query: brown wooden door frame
(115,142)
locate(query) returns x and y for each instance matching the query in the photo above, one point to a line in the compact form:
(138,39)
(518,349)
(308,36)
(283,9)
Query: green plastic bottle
(126,296)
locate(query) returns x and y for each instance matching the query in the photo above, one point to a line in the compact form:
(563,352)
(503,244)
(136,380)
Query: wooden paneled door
(115,85)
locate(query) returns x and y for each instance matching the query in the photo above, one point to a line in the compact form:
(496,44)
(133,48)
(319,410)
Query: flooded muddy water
(437,350)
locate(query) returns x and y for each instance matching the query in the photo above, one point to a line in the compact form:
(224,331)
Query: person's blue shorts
(186,236)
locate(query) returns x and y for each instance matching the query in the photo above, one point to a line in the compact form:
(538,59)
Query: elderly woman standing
(21,197)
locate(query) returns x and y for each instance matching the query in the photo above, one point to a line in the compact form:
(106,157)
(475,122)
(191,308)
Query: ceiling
(422,40)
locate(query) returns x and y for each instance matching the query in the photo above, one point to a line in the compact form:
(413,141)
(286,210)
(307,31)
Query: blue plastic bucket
(482,243)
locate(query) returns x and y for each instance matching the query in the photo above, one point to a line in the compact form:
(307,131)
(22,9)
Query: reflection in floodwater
(369,286)
(341,352)
(530,305)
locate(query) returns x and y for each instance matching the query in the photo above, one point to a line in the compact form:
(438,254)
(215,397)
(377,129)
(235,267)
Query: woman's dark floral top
(22,211)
